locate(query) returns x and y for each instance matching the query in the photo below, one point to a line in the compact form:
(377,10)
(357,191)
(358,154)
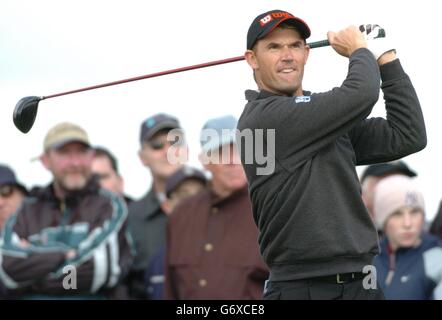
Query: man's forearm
(387,57)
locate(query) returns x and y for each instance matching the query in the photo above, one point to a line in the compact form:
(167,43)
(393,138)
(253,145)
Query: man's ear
(120,183)
(307,48)
(202,157)
(44,159)
(251,59)
(142,157)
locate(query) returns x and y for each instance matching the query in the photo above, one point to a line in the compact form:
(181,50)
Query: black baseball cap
(156,123)
(7,177)
(182,175)
(268,21)
(382,169)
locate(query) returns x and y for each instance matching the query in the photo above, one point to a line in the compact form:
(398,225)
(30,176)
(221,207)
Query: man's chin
(74,185)
(236,184)
(167,171)
(408,243)
(287,90)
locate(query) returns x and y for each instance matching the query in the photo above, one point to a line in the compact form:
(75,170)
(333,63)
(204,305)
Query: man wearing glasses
(12,194)
(147,218)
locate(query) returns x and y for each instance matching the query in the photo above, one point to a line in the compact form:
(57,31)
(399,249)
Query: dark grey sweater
(309,212)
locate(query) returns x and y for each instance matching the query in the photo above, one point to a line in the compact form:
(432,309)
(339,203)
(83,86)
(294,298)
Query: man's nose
(76,159)
(287,54)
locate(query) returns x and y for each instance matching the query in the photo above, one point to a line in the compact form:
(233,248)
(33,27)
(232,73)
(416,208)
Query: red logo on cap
(279,15)
(265,20)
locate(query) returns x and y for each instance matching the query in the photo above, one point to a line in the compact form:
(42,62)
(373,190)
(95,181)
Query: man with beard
(68,239)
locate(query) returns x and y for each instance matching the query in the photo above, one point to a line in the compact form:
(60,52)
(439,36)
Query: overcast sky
(48,47)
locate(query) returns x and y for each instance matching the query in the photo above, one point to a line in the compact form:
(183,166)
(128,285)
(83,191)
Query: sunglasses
(6,190)
(158,144)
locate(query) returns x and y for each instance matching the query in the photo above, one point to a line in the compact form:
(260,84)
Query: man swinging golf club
(315,233)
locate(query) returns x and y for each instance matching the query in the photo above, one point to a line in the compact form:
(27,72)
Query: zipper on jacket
(65,218)
(391,266)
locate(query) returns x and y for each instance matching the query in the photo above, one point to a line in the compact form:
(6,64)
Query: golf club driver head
(25,112)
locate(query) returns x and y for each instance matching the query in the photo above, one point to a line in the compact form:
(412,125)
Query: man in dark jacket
(315,233)
(12,194)
(68,240)
(147,219)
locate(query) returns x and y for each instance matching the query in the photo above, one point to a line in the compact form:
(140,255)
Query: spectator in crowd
(147,220)
(183,184)
(212,250)
(12,194)
(67,240)
(436,225)
(105,166)
(376,172)
(409,265)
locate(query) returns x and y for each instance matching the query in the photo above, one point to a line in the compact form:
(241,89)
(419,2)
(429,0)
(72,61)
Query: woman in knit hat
(410,263)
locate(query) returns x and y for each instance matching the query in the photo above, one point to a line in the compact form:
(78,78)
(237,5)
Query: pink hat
(391,194)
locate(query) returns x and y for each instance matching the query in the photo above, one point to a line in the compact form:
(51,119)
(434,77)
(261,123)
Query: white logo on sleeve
(405,278)
(302,99)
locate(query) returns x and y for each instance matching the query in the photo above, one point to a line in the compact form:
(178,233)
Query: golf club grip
(318,44)
(325,43)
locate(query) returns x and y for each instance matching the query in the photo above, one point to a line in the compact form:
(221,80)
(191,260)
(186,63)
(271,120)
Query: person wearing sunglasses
(12,194)
(163,151)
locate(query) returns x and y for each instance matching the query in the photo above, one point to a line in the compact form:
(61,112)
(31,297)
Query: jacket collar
(216,200)
(428,241)
(150,204)
(252,95)
(47,193)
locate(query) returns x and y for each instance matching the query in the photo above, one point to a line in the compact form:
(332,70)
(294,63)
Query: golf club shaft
(316,44)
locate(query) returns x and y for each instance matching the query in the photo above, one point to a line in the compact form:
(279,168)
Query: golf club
(26,108)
